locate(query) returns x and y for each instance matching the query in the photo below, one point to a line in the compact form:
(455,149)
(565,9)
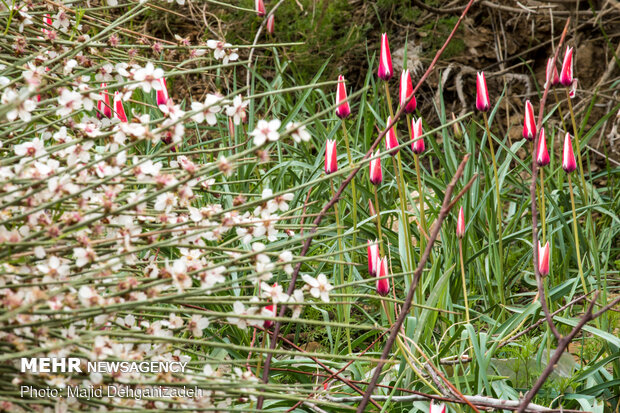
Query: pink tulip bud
(119,110)
(568,158)
(437,408)
(542,155)
(343,110)
(460,224)
(48,22)
(418,142)
(162,94)
(385,59)
(572,92)
(376,175)
(331,162)
(373,256)
(482,93)
(271,20)
(566,75)
(552,73)
(231,127)
(390,138)
(529,123)
(406,90)
(371,209)
(270,311)
(543,259)
(383,283)
(259,6)
(104,108)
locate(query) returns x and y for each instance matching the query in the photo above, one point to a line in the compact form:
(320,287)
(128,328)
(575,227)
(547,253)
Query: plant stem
(572,202)
(421,210)
(499,211)
(354,192)
(557,102)
(542,206)
(341,266)
(398,173)
(576,135)
(378,220)
(463,279)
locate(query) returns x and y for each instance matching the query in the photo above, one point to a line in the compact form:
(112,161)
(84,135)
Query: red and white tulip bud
(566,75)
(373,256)
(482,93)
(437,408)
(371,208)
(418,142)
(343,110)
(552,73)
(385,71)
(383,283)
(331,160)
(162,93)
(406,90)
(568,157)
(104,107)
(376,175)
(543,259)
(119,110)
(271,21)
(572,92)
(542,154)
(47,20)
(460,224)
(529,123)
(259,6)
(390,138)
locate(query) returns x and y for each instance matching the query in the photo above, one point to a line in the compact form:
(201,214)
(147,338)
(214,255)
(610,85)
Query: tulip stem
(463,279)
(353,191)
(557,101)
(378,219)
(499,210)
(572,202)
(542,205)
(341,265)
(576,134)
(420,192)
(398,173)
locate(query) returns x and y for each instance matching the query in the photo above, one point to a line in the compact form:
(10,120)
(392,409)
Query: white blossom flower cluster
(116,230)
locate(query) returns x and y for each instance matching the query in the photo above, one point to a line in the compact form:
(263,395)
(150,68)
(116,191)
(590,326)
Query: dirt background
(509,40)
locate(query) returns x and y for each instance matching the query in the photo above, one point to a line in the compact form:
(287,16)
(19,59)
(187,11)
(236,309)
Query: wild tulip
(383,284)
(529,123)
(566,75)
(460,224)
(343,110)
(390,138)
(552,73)
(259,6)
(104,108)
(376,175)
(331,162)
(437,408)
(271,20)
(572,92)
(542,154)
(543,259)
(418,143)
(406,90)
(568,158)
(373,256)
(271,309)
(482,93)
(119,110)
(385,59)
(162,93)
